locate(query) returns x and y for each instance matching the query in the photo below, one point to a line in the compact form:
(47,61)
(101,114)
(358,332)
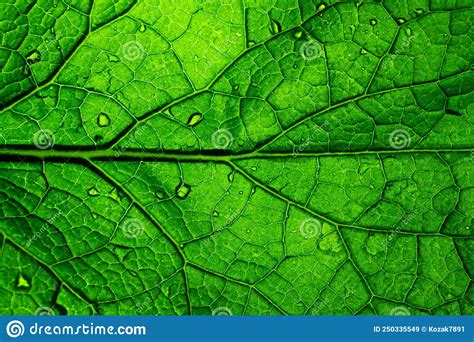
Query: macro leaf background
(252,157)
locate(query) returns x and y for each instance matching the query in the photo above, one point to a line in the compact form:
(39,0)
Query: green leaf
(245,158)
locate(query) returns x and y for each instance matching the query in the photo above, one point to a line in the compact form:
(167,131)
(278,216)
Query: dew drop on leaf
(194,119)
(299,34)
(275,26)
(408,32)
(103,120)
(33,57)
(160,193)
(22,282)
(112,58)
(401,20)
(321,6)
(142,28)
(93,191)
(183,190)
(215,213)
(419,11)
(373,22)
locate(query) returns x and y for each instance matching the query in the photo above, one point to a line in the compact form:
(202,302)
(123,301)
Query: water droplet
(373,22)
(160,193)
(230,177)
(321,6)
(241,192)
(419,11)
(215,214)
(252,42)
(113,58)
(94,215)
(116,195)
(167,112)
(400,20)
(93,191)
(275,26)
(408,31)
(299,34)
(22,282)
(183,190)
(295,66)
(52,29)
(103,120)
(33,57)
(253,168)
(194,119)
(238,34)
(363,52)
(248,231)
(236,87)
(142,28)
